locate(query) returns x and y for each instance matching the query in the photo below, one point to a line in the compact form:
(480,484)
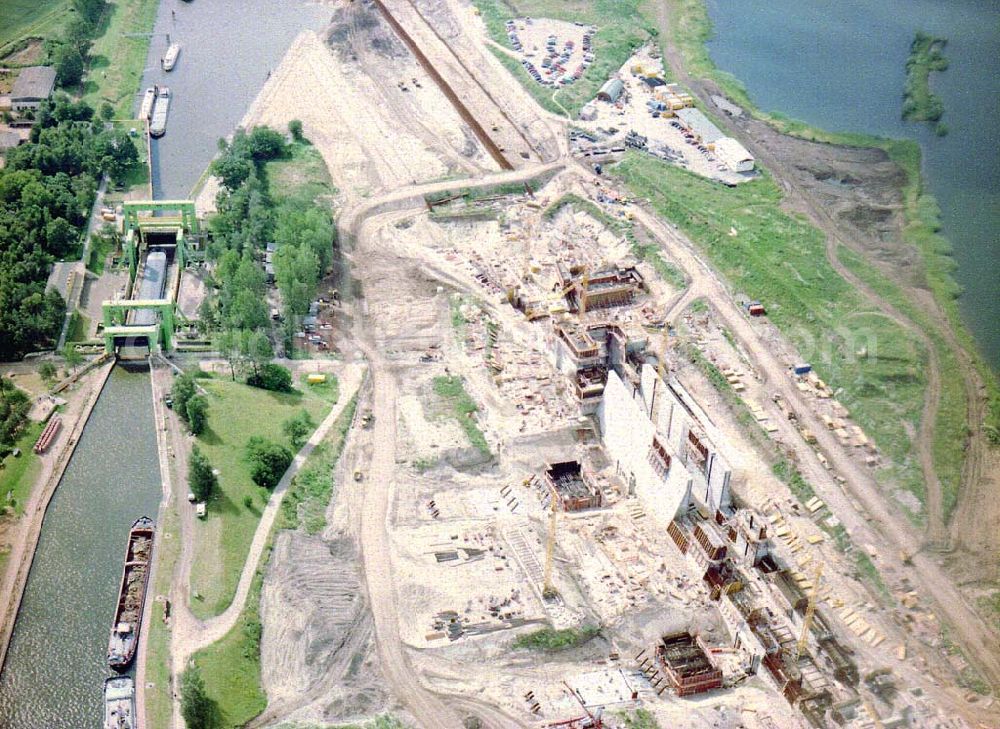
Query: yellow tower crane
(810,612)
(584,285)
(550,545)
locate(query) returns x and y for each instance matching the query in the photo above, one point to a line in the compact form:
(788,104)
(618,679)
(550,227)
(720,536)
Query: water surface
(56,665)
(841,66)
(227,49)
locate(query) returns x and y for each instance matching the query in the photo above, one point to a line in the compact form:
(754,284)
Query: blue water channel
(56,664)
(841,66)
(227,49)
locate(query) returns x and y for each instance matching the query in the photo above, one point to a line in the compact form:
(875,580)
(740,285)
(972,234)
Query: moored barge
(131,595)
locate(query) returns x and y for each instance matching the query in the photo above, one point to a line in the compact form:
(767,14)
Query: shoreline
(39,506)
(921,222)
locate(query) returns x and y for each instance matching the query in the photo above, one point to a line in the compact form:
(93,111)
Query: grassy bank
(118,57)
(230,667)
(780,259)
(463,408)
(305,504)
(300,176)
(159,701)
(236,413)
(18,474)
(621,28)
(926,55)
(689,30)
(31,19)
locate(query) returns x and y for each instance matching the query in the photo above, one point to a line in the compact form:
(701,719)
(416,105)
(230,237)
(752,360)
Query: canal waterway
(841,66)
(56,663)
(227,49)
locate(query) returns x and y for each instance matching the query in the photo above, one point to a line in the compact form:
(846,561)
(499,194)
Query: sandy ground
(372,134)
(455,543)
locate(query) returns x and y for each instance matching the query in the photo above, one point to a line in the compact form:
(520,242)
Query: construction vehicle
(358,475)
(367,419)
(807,621)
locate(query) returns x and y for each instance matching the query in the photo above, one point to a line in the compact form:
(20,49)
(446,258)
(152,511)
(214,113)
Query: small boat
(146,108)
(119,703)
(132,595)
(158,123)
(170,57)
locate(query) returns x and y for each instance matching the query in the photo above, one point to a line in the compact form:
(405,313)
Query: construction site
(557,517)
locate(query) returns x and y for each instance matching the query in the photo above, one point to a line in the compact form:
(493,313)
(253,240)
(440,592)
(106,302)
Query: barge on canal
(132,595)
(158,124)
(119,703)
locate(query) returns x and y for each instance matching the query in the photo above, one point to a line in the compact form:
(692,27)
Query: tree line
(47,188)
(248,219)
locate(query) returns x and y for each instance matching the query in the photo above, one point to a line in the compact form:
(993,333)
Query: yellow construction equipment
(584,284)
(810,612)
(873,715)
(550,545)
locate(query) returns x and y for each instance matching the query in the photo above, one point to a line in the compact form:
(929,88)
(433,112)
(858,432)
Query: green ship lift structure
(167,222)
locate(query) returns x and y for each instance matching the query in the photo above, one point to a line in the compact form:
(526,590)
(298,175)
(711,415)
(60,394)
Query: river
(841,66)
(227,49)
(56,663)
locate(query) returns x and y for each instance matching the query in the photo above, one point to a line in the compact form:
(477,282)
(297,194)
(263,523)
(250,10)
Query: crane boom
(550,545)
(810,612)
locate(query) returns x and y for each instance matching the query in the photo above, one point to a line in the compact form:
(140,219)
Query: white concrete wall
(628,434)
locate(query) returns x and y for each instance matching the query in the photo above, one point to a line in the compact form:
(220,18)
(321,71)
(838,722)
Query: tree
(47,371)
(69,66)
(232,170)
(198,710)
(201,479)
(258,349)
(182,390)
(272,377)
(265,143)
(268,461)
(71,356)
(116,153)
(297,428)
(196,409)
(107,111)
(295,129)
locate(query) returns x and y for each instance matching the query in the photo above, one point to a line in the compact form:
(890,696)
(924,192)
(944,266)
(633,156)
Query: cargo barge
(119,703)
(169,59)
(158,124)
(146,107)
(131,595)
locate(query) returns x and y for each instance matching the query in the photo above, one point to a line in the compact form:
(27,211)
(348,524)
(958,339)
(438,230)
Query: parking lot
(554,52)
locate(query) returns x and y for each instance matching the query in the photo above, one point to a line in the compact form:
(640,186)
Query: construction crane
(810,612)
(550,545)
(584,285)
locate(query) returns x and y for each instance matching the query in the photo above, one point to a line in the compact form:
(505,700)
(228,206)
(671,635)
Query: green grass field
(117,61)
(309,495)
(303,175)
(780,260)
(550,639)
(452,392)
(18,474)
(621,28)
(31,18)
(230,667)
(236,413)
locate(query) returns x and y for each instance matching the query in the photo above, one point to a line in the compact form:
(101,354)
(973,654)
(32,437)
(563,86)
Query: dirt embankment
(317,657)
